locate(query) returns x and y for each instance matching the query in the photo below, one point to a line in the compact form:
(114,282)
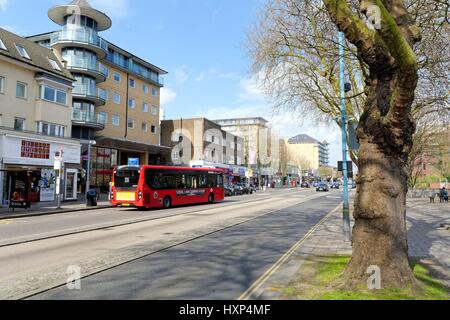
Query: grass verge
(316,276)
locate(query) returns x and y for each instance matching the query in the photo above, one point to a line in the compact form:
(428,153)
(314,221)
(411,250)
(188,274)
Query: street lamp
(89,143)
(344,88)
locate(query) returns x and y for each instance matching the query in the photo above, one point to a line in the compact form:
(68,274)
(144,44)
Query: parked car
(238,190)
(315,184)
(246,189)
(305,185)
(334,185)
(322,187)
(229,191)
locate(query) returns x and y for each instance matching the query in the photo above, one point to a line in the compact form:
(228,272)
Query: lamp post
(346,208)
(89,143)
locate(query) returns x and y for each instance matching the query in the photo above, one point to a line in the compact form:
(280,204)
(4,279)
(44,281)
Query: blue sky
(201,43)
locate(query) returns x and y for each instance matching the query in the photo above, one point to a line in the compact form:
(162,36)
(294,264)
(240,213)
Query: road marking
(260,282)
(5,222)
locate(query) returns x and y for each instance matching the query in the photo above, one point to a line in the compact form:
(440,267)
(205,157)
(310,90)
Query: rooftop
(39,55)
(305,139)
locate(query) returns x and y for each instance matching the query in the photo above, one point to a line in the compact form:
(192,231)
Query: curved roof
(58,13)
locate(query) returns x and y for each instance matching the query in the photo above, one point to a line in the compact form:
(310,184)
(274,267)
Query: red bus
(148,187)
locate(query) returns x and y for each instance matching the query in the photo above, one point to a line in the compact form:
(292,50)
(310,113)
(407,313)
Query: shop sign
(35,150)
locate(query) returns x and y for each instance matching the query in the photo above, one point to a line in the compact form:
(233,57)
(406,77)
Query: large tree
(294,48)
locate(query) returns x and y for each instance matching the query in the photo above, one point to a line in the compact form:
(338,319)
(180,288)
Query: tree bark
(385,134)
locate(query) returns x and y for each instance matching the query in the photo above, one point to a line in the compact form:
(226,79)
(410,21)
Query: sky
(201,43)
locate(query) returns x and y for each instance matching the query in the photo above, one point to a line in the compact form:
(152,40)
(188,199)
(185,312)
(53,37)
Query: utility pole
(346,208)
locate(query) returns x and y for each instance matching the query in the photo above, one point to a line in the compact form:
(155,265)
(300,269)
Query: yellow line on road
(259,283)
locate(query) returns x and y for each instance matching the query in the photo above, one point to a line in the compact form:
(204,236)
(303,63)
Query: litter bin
(92,198)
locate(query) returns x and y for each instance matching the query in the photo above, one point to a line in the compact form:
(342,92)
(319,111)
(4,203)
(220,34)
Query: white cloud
(116,8)
(3,4)
(182,75)
(167,96)
(200,77)
(251,89)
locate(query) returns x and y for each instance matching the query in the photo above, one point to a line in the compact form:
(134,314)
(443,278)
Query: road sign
(349,166)
(133,162)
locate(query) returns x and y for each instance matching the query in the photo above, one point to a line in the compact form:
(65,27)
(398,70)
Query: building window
(23,52)
(153,129)
(2,84)
(144,107)
(144,126)
(116,98)
(132,83)
(104,94)
(154,110)
(19,124)
(50,129)
(130,123)
(131,103)
(154,92)
(145,88)
(54,64)
(115,120)
(2,45)
(53,95)
(21,90)
(104,69)
(117,77)
(103,117)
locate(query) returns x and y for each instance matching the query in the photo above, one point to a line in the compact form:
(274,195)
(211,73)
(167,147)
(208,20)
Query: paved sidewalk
(50,208)
(427,241)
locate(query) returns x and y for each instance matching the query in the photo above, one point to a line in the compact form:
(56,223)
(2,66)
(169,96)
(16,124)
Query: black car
(245,188)
(305,185)
(322,187)
(237,190)
(229,191)
(335,185)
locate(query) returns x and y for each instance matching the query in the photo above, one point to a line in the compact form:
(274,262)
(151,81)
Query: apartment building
(257,146)
(116,96)
(35,122)
(307,152)
(200,142)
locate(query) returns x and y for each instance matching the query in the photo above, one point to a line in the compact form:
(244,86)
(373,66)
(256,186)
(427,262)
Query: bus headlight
(140,195)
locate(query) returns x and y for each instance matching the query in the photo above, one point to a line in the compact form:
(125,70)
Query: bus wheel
(211,198)
(167,203)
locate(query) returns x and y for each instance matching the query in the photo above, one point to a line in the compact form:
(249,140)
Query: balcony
(139,70)
(92,120)
(88,93)
(85,66)
(80,38)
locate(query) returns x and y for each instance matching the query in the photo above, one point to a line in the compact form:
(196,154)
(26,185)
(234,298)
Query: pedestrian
(443,195)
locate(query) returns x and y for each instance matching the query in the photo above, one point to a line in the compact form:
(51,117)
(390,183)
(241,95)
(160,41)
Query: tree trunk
(385,134)
(379,235)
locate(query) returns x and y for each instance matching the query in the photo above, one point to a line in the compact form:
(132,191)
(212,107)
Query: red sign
(35,150)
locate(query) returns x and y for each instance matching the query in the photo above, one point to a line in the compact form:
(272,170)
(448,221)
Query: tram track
(195,209)
(164,248)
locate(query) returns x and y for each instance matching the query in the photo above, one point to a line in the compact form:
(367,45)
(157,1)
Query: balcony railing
(88,117)
(131,66)
(90,93)
(83,63)
(82,36)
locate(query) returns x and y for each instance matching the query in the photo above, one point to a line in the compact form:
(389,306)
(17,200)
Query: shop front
(27,169)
